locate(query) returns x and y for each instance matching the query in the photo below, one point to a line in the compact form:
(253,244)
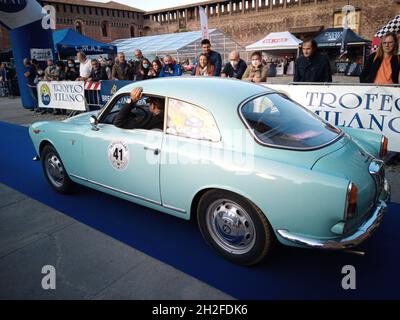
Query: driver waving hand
(154,120)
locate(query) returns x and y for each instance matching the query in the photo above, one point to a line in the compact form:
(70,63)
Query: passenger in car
(154,119)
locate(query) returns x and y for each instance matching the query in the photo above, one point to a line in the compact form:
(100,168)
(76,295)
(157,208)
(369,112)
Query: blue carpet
(290,273)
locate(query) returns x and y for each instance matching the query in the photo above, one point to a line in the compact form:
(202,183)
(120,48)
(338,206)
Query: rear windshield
(277,121)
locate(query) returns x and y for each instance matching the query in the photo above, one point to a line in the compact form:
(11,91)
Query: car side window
(117,106)
(187,120)
(121,101)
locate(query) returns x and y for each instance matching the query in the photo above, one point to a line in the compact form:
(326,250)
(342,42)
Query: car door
(191,149)
(124,160)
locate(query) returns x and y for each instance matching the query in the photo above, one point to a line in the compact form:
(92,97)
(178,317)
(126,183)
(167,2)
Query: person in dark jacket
(170,68)
(143,72)
(122,70)
(98,72)
(383,66)
(125,119)
(312,66)
(235,68)
(213,57)
(71,72)
(137,65)
(154,71)
(60,68)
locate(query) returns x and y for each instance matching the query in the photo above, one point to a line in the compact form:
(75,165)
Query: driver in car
(126,119)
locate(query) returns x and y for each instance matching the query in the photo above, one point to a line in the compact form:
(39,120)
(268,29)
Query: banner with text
(110,87)
(68,95)
(373,108)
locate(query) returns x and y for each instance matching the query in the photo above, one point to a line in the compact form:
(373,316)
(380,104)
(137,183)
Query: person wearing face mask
(137,64)
(256,71)
(170,68)
(71,73)
(143,72)
(60,68)
(235,68)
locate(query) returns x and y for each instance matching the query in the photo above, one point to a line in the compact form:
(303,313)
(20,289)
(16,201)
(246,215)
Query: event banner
(110,87)
(369,107)
(68,95)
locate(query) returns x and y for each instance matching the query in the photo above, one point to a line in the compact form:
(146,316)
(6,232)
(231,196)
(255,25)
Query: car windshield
(277,121)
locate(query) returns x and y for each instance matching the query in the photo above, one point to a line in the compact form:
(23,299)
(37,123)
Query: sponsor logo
(45,94)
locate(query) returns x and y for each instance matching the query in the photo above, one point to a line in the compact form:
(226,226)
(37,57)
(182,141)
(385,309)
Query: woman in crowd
(204,68)
(256,71)
(382,67)
(143,70)
(60,67)
(155,69)
(71,73)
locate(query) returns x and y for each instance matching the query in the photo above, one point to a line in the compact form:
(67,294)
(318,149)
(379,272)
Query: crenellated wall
(247,24)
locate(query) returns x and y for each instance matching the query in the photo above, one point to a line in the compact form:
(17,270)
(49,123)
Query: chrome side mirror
(94,123)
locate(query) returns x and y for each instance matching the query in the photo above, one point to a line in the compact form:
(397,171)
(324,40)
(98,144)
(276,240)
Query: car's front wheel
(54,170)
(234,227)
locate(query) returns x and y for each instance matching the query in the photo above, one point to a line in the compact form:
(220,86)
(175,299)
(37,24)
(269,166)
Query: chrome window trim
(128,193)
(259,141)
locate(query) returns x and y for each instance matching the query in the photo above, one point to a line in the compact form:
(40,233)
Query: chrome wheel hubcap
(230,226)
(54,170)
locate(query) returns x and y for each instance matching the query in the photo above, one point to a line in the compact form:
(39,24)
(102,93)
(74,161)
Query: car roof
(207,92)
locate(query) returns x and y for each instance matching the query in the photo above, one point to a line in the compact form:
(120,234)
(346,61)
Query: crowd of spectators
(311,66)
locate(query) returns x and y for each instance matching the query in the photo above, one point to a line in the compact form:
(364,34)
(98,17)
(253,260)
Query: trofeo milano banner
(370,107)
(68,95)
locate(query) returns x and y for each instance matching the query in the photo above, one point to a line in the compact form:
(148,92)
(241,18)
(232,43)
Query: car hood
(351,162)
(81,118)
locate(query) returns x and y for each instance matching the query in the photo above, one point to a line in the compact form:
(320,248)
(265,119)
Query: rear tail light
(384,147)
(351,205)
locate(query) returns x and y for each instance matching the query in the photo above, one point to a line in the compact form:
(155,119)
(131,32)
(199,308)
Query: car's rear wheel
(234,227)
(54,170)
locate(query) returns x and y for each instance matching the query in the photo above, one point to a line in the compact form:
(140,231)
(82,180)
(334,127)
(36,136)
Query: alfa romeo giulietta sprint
(252,166)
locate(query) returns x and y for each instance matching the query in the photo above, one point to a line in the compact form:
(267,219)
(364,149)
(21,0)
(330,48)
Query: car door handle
(155,150)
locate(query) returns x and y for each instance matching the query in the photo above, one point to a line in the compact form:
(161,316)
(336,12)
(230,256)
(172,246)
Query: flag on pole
(203,23)
(343,47)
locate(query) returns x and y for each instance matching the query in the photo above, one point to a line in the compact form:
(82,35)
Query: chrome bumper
(361,234)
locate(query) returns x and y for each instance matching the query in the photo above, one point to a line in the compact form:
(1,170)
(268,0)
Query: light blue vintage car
(250,164)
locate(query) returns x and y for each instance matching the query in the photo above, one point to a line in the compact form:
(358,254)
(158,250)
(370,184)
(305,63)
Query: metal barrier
(93,95)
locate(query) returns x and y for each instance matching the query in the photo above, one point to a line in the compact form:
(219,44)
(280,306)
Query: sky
(148,5)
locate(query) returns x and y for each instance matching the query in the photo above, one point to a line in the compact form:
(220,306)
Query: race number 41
(118,155)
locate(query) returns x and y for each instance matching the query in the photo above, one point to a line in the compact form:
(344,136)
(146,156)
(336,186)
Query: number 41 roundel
(118,155)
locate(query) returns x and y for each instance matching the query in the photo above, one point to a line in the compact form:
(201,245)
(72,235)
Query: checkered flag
(392,26)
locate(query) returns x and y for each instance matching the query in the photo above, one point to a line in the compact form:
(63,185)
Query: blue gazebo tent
(68,42)
(332,37)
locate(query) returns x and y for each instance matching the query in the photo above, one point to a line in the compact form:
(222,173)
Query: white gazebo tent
(278,42)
